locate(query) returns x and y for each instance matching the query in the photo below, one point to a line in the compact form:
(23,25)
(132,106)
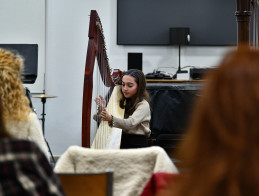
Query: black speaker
(199,73)
(135,61)
(179,36)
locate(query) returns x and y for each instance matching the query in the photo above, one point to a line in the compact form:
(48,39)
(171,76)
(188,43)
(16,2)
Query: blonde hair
(15,104)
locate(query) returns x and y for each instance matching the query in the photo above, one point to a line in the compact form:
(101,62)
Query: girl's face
(129,86)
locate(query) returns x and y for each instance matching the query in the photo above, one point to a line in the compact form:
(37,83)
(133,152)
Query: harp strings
(104,72)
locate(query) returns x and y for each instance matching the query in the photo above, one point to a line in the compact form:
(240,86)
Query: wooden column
(243,14)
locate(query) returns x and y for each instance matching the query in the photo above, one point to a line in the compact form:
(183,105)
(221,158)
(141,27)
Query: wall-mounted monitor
(147,22)
(29,52)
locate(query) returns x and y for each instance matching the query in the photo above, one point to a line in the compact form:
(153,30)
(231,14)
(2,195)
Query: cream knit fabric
(132,167)
(31,130)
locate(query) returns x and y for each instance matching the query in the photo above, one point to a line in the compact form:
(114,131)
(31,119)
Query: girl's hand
(100,101)
(106,116)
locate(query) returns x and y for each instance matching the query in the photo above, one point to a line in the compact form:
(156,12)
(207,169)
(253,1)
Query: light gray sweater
(138,122)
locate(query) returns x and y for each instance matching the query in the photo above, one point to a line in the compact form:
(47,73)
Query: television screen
(147,22)
(30,54)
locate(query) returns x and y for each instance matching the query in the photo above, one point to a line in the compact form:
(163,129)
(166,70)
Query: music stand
(44,98)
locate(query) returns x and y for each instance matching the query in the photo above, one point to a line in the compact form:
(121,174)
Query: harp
(97,50)
(243,15)
(255,27)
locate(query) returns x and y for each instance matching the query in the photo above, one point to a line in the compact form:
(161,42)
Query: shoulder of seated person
(143,102)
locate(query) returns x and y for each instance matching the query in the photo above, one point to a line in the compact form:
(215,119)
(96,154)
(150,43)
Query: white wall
(23,22)
(67,24)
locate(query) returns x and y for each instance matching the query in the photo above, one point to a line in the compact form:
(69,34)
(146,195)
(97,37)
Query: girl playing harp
(135,100)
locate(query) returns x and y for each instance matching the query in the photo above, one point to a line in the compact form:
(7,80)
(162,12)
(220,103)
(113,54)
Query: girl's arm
(142,113)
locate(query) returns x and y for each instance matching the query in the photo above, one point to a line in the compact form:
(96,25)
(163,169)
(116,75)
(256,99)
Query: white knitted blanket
(132,167)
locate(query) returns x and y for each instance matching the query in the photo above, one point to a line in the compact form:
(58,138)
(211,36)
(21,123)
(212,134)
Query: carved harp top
(96,49)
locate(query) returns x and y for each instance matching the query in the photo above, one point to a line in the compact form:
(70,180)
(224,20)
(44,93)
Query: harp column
(243,14)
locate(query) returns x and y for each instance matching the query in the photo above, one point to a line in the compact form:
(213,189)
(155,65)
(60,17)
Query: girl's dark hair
(141,91)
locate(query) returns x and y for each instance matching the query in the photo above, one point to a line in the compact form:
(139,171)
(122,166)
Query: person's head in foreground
(15,104)
(221,150)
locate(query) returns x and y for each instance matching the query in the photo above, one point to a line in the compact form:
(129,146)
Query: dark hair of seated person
(24,169)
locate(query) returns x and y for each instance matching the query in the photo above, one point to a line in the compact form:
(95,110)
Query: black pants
(133,141)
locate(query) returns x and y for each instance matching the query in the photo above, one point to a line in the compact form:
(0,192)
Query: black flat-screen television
(147,22)
(29,52)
